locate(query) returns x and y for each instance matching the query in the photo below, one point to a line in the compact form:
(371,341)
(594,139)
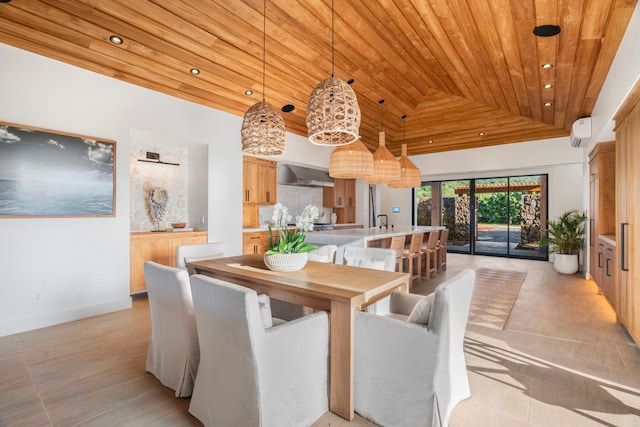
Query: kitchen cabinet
(159,247)
(601,204)
(342,198)
(259,187)
(255,242)
(627,214)
(608,272)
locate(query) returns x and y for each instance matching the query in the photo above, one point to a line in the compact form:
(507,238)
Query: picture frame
(47,173)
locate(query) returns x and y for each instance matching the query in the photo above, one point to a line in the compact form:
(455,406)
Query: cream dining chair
(173,354)
(409,363)
(252,375)
(198,252)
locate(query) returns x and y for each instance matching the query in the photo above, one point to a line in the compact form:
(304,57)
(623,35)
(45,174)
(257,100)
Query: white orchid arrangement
(291,242)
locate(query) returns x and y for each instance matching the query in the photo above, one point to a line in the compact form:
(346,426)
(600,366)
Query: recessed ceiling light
(248,92)
(350,81)
(431,141)
(194,71)
(547,86)
(547,104)
(546,30)
(481,133)
(116,39)
(547,65)
(287,108)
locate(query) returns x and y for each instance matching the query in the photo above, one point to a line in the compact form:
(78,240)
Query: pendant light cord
(381,102)
(264,49)
(333,40)
(404,125)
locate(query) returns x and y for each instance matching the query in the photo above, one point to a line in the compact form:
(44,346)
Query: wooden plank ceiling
(456,68)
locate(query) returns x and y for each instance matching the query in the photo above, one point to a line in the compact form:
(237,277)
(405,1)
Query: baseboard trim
(37,321)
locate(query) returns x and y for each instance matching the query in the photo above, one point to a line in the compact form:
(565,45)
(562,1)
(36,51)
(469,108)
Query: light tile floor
(561,360)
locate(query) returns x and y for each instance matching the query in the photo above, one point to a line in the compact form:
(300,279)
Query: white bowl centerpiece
(288,251)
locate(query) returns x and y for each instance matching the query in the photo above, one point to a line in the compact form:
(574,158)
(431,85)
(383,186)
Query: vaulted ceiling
(467,73)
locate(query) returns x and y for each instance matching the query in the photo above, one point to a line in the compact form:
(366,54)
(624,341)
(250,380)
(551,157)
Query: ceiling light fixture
(481,133)
(547,104)
(194,71)
(431,141)
(263,131)
(546,30)
(386,168)
(410,176)
(116,39)
(351,161)
(333,114)
(548,86)
(547,66)
(248,92)
(287,108)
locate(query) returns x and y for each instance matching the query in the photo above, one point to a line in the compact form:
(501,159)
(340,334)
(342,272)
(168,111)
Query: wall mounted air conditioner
(580,132)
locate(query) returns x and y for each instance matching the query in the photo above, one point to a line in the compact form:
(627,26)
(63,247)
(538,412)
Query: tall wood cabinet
(628,212)
(259,187)
(342,198)
(601,206)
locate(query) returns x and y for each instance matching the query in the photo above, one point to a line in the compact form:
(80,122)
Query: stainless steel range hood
(303,177)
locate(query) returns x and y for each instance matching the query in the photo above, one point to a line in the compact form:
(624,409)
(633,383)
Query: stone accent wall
(424,211)
(144,176)
(456,217)
(530,222)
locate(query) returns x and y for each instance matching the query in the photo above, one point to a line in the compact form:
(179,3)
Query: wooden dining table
(338,289)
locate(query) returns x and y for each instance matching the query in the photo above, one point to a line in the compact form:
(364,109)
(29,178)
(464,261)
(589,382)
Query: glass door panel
(528,215)
(493,233)
(456,214)
(424,200)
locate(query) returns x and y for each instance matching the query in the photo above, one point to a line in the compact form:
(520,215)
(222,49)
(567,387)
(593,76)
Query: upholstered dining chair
(324,253)
(198,252)
(409,363)
(376,258)
(252,375)
(174,353)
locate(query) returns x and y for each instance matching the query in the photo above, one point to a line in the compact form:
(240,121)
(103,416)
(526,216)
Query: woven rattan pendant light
(263,131)
(410,175)
(333,114)
(351,161)
(386,168)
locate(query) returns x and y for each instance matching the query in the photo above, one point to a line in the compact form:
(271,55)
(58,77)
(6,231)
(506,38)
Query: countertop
(379,233)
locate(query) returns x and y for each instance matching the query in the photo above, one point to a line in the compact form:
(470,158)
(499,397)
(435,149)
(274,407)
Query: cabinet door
(255,242)
(143,250)
(249,180)
(593,236)
(266,183)
(339,193)
(610,277)
(350,193)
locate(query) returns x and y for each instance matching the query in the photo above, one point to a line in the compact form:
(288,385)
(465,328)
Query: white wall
(60,269)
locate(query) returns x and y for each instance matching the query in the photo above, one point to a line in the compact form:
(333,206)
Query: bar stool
(442,249)
(430,251)
(397,244)
(414,254)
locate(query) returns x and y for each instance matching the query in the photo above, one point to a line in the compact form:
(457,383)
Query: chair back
(416,243)
(198,252)
(444,237)
(397,245)
(376,258)
(230,325)
(448,320)
(325,253)
(174,353)
(432,239)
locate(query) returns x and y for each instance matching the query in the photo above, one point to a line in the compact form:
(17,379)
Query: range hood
(303,177)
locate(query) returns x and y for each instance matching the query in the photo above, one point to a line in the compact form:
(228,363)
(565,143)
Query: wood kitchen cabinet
(342,198)
(259,187)
(627,278)
(255,242)
(601,204)
(159,247)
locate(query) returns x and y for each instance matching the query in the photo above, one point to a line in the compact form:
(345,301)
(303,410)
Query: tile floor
(561,360)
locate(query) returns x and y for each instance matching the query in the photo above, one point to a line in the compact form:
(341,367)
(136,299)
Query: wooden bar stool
(397,244)
(430,250)
(442,249)
(414,255)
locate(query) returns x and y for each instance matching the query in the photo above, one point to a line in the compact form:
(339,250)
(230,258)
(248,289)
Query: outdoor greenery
(492,208)
(565,235)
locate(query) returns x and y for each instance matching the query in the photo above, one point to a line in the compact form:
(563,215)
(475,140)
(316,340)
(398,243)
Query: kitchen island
(364,237)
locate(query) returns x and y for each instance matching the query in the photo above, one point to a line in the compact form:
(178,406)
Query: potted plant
(289,251)
(565,238)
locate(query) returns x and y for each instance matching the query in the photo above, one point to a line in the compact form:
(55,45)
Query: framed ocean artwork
(45,173)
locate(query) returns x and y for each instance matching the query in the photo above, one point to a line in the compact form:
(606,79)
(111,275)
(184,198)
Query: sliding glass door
(500,216)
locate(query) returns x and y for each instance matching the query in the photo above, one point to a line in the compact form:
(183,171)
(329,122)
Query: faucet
(386,221)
